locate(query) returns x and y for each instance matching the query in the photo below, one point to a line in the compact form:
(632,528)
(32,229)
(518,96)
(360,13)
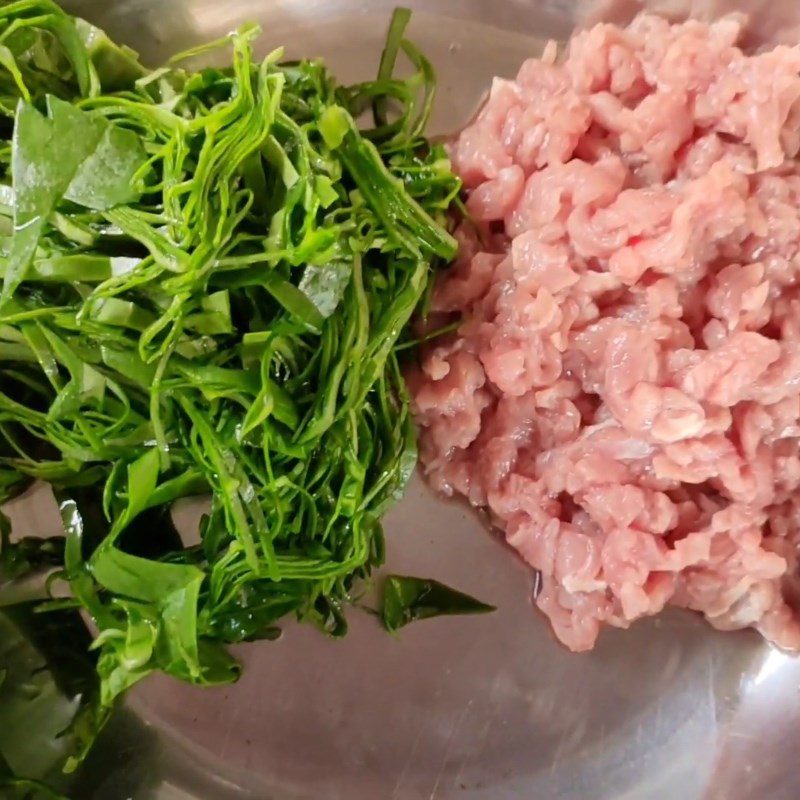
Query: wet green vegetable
(47,684)
(407,599)
(206,275)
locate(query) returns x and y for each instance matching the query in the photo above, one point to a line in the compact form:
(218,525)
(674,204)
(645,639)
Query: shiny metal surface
(487,708)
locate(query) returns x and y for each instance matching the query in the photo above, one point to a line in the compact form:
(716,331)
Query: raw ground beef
(623,392)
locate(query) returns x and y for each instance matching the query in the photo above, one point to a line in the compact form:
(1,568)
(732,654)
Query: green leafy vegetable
(48,686)
(408,599)
(67,155)
(27,555)
(15,788)
(206,280)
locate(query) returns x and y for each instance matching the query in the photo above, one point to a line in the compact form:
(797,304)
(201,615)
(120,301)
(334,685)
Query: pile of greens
(205,277)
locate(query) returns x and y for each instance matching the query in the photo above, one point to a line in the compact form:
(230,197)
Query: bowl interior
(488,708)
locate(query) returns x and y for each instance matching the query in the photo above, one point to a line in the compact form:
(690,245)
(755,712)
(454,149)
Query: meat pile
(623,391)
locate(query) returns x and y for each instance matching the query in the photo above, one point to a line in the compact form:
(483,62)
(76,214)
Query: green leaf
(49,684)
(68,154)
(117,66)
(106,176)
(163,632)
(25,556)
(408,599)
(142,578)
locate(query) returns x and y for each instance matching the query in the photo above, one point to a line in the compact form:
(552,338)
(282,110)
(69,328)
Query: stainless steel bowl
(484,708)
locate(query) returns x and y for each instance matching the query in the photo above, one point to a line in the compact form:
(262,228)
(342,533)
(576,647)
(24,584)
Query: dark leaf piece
(408,599)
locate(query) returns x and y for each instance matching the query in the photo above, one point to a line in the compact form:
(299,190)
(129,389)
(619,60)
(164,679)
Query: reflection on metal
(774,663)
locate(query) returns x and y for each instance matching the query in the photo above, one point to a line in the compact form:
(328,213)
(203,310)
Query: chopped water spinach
(206,275)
